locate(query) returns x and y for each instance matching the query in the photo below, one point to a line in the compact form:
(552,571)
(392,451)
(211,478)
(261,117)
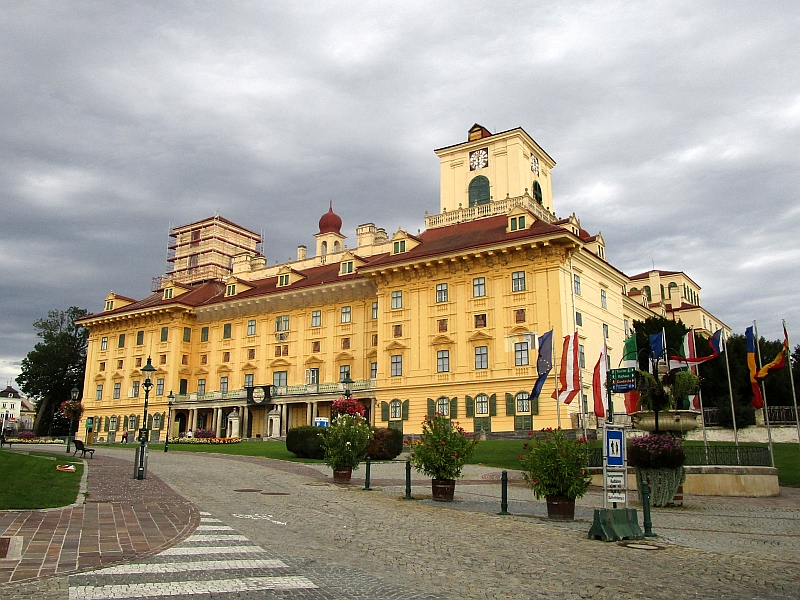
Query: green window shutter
(523,423)
(138,422)
(482,423)
(535,405)
(149,421)
(493,405)
(479,191)
(108,421)
(511,408)
(405,410)
(469,403)
(396,425)
(384,411)
(431,408)
(453,408)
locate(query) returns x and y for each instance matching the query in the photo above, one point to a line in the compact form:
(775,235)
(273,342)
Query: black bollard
(648,524)
(504,493)
(366,476)
(408,480)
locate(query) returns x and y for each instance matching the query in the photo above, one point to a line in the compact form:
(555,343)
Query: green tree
(55,365)
(675,331)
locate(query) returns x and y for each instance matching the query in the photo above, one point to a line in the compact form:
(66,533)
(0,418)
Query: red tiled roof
(646,274)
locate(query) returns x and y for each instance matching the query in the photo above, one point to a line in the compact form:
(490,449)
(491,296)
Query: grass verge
(32,482)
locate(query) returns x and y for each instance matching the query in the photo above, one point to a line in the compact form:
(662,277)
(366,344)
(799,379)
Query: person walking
(125,437)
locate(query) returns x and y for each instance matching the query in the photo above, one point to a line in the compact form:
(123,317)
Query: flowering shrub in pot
(347,406)
(345,443)
(658,459)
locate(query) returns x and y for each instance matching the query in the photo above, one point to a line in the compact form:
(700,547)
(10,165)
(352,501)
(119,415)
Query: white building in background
(10,407)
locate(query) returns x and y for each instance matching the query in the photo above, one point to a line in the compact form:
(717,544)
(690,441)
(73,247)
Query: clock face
(534,164)
(479,159)
(258,395)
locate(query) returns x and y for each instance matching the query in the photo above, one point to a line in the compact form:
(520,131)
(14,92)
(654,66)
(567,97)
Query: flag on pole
(657,345)
(688,353)
(544,363)
(569,377)
(600,384)
(780,360)
(758,400)
(630,356)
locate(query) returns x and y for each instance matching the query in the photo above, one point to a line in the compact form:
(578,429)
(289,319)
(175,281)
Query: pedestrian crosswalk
(214,560)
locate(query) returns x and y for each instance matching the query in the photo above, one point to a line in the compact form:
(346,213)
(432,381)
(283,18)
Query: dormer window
(283,280)
(167,293)
(399,246)
(347,267)
(517,223)
(109,305)
(230,290)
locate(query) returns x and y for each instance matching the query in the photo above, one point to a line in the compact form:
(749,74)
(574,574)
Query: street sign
(622,380)
(614,448)
(615,480)
(616,496)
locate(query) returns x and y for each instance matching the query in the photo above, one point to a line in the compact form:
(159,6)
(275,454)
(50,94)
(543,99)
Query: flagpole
(791,379)
(730,391)
(696,368)
(555,372)
(584,399)
(765,408)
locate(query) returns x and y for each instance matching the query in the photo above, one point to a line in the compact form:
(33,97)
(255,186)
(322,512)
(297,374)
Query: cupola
(330,222)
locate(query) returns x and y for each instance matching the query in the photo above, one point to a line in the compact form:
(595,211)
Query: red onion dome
(330,222)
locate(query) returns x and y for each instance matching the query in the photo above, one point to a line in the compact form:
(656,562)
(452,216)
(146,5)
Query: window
(104,343)
(346,314)
(102,366)
(168,293)
(399,246)
(603,299)
(605,330)
(374,310)
(344,372)
(185,359)
(283,280)
(278,351)
(517,223)
(164,333)
(518,281)
(479,191)
(109,305)
(135,389)
(521,354)
(480,320)
(139,338)
(482,357)
(160,386)
(346,343)
(251,327)
(347,267)
(581,356)
(223,384)
(374,339)
(282,323)
(523,402)
(117,390)
(316,318)
(312,376)
(248,380)
(121,341)
(537,192)
(230,290)
(481,404)
(98,392)
(204,334)
(251,354)
(201,387)
(397,299)
(443,361)
(156,421)
(441,292)
(578,319)
(226,331)
(397,365)
(576,281)
(204,359)
(479,287)
(397,331)
(443,406)
(395,409)
(194,260)
(162,359)
(138,361)
(132,423)
(627,327)
(112,424)
(226,357)
(315,346)
(441,325)
(519,315)
(373,370)
(119,365)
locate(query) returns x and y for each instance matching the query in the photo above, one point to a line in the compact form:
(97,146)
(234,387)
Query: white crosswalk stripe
(217,586)
(182,550)
(216,537)
(185,567)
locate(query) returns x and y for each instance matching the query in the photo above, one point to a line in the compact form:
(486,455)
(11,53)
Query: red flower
(519,456)
(444,443)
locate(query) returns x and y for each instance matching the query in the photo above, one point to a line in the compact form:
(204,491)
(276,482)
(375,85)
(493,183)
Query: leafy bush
(305,442)
(204,434)
(443,449)
(385,444)
(655,452)
(345,441)
(556,465)
(25,435)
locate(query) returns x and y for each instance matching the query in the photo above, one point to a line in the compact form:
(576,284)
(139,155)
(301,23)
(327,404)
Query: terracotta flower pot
(342,475)
(560,508)
(443,489)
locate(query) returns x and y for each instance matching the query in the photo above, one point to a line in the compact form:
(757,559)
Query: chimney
(301,252)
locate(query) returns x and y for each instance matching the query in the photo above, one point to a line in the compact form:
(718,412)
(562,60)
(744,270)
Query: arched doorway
(180,419)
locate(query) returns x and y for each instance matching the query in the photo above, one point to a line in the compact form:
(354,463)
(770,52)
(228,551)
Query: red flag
(631,401)
(599,383)
(569,378)
(780,360)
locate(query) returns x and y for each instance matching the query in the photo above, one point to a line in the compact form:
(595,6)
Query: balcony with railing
(493,208)
(301,392)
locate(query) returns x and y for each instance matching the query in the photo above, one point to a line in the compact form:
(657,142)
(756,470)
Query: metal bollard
(504,493)
(408,480)
(366,476)
(648,524)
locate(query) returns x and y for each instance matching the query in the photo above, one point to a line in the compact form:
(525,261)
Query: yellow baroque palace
(443,321)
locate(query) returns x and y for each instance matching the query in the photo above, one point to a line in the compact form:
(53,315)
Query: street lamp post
(74,393)
(143,430)
(169,420)
(347,384)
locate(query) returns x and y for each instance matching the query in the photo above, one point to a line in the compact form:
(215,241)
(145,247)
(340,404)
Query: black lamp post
(347,383)
(169,420)
(74,393)
(143,430)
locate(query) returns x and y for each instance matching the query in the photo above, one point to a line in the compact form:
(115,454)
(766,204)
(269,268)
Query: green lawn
(31,481)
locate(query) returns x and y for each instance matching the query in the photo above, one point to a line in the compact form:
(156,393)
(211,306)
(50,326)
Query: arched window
(443,406)
(672,286)
(481,405)
(324,248)
(336,247)
(156,421)
(112,426)
(479,191)
(647,293)
(396,409)
(523,402)
(537,192)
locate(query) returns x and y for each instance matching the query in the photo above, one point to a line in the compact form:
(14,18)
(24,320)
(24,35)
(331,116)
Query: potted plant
(658,459)
(441,454)
(345,443)
(556,468)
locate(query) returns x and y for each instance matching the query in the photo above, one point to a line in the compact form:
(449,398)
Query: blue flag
(656,345)
(544,363)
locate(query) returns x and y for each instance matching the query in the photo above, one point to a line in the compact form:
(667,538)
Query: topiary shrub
(385,444)
(305,442)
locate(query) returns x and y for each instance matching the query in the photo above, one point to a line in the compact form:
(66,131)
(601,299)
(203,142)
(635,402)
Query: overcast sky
(675,126)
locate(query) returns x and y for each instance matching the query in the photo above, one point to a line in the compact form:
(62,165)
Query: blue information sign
(614,448)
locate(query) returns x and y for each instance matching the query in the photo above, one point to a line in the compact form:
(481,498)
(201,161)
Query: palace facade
(443,321)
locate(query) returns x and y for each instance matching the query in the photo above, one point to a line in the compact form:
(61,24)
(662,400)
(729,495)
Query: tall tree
(675,331)
(55,365)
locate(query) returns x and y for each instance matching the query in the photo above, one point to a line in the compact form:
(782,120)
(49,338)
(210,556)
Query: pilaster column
(284,418)
(218,421)
(243,421)
(309,410)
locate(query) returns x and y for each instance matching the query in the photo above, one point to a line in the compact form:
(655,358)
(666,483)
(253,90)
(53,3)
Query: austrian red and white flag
(599,384)
(569,376)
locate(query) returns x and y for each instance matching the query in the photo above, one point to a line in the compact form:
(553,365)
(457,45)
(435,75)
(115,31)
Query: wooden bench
(81,447)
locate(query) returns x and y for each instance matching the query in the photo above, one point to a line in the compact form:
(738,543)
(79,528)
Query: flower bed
(188,440)
(34,441)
